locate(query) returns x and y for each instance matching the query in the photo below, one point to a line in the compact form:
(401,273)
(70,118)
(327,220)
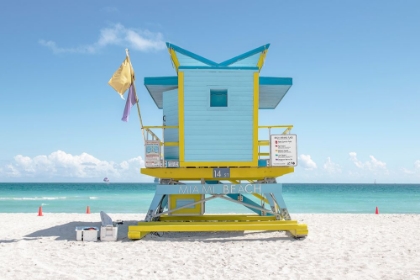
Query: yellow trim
(196,210)
(300,230)
(170,144)
(261,60)
(137,234)
(217,163)
(264,154)
(288,126)
(234,181)
(239,173)
(206,218)
(276,126)
(264,143)
(154,136)
(257,195)
(181,116)
(255,113)
(287,131)
(160,126)
(174,59)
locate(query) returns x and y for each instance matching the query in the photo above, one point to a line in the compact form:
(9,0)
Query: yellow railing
(287,130)
(150,135)
(154,137)
(261,143)
(148,130)
(160,126)
(269,127)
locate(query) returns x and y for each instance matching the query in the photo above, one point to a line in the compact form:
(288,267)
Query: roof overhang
(271,89)
(156,86)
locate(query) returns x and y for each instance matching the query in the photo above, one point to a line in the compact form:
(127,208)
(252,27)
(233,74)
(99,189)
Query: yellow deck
(236,173)
(217,223)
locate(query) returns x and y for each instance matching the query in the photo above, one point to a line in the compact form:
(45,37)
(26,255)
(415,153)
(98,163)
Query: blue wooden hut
(211,136)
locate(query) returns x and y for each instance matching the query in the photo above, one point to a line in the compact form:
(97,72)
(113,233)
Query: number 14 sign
(221,172)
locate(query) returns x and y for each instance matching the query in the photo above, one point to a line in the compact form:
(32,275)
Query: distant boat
(106,180)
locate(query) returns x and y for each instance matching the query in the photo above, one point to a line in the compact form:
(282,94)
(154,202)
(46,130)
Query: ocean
(136,198)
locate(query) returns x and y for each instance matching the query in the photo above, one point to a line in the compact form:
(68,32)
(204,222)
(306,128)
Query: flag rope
(137,99)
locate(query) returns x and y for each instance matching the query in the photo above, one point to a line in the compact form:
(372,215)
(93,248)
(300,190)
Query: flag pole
(137,99)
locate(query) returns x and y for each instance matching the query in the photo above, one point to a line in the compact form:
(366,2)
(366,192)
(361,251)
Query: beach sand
(339,246)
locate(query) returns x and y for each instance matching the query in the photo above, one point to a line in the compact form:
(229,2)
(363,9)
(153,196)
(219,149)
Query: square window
(218,98)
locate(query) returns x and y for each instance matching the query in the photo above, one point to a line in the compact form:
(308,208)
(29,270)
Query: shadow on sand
(215,237)
(68,232)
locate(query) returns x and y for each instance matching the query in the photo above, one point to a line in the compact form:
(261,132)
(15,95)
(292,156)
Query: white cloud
(407,171)
(134,39)
(82,49)
(10,170)
(61,165)
(353,158)
(331,167)
(373,164)
(307,162)
(415,171)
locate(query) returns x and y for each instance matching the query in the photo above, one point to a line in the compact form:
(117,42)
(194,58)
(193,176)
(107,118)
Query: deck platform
(216,223)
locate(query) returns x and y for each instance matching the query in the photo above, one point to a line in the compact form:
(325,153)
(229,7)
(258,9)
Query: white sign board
(152,154)
(171,163)
(283,150)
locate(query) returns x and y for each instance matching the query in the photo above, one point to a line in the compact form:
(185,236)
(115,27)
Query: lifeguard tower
(210,146)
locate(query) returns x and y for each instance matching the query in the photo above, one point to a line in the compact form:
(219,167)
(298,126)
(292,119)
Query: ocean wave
(93,197)
(35,198)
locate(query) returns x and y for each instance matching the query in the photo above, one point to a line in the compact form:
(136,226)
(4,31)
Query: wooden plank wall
(214,134)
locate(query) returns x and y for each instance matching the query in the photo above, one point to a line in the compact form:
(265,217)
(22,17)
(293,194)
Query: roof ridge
(191,54)
(244,55)
(212,63)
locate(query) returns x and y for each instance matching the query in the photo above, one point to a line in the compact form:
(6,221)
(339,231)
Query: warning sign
(283,150)
(152,154)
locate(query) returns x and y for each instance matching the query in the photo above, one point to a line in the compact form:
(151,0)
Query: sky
(354,102)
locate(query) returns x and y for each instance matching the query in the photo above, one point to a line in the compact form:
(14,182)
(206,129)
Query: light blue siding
(249,61)
(218,133)
(271,90)
(170,111)
(188,61)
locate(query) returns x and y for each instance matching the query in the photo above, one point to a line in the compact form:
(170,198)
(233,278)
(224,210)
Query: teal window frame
(218,98)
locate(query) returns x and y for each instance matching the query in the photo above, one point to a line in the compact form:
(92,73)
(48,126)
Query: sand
(339,246)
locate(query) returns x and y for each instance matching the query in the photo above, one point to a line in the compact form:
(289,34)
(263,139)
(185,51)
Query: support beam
(236,173)
(297,230)
(267,190)
(207,218)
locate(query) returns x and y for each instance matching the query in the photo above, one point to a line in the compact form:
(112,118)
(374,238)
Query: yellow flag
(123,77)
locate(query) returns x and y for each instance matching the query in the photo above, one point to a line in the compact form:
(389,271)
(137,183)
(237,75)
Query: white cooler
(109,233)
(87,233)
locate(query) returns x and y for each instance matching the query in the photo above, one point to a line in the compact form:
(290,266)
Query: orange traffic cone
(40,211)
(88,210)
(377,210)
